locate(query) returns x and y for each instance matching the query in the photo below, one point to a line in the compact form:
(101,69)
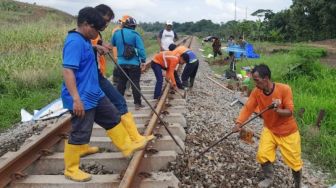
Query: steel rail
(130,179)
(12,168)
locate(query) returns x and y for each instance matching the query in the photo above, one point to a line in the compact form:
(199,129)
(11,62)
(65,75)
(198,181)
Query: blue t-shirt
(133,38)
(78,55)
(192,56)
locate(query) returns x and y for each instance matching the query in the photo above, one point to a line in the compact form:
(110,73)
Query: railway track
(40,163)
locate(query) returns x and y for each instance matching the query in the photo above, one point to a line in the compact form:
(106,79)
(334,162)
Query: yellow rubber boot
(71,161)
(122,141)
(86,149)
(129,124)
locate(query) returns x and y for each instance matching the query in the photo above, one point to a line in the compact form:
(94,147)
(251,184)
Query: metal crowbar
(164,123)
(273,105)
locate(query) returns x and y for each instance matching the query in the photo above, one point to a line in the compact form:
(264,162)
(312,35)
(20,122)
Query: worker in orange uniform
(167,61)
(280,128)
(190,59)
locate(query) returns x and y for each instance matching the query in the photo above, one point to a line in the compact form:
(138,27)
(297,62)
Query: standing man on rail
(131,57)
(84,98)
(167,36)
(112,93)
(280,128)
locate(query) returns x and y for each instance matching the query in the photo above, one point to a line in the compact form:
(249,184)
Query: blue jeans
(113,94)
(157,69)
(159,79)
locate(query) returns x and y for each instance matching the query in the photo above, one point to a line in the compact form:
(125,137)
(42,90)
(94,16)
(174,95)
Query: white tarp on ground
(54,109)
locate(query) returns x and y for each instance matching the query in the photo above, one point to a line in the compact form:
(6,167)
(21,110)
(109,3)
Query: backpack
(129,50)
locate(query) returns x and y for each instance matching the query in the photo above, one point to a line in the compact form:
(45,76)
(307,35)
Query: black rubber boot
(297,178)
(192,82)
(267,169)
(185,84)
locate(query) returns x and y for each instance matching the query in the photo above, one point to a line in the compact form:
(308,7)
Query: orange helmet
(123,19)
(130,22)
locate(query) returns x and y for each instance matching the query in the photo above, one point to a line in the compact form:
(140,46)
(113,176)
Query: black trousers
(217,52)
(104,114)
(189,72)
(134,73)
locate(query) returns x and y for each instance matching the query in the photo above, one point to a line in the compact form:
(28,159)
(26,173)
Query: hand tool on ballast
(153,110)
(184,95)
(273,105)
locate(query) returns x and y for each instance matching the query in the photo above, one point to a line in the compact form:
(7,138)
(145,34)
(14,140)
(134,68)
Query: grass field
(31,44)
(314,88)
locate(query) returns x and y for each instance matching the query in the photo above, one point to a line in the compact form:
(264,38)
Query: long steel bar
(130,174)
(242,125)
(151,107)
(31,152)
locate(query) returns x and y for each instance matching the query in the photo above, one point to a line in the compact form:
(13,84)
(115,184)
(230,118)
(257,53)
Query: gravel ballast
(232,163)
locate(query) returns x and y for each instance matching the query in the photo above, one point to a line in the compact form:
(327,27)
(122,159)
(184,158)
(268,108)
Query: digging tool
(246,135)
(164,124)
(273,105)
(184,95)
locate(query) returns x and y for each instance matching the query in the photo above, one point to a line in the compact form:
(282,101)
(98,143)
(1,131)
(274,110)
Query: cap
(169,22)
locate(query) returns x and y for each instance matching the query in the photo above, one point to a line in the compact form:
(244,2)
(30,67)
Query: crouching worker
(112,93)
(189,58)
(280,128)
(167,61)
(231,72)
(82,95)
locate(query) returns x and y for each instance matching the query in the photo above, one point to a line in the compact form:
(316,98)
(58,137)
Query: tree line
(305,20)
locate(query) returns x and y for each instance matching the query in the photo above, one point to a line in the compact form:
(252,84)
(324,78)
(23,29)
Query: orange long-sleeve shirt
(114,49)
(280,126)
(168,60)
(180,50)
(101,58)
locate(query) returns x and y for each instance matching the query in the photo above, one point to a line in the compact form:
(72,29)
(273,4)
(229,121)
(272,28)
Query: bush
(309,53)
(8,6)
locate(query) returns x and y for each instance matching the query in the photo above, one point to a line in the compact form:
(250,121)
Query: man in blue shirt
(127,119)
(132,65)
(82,95)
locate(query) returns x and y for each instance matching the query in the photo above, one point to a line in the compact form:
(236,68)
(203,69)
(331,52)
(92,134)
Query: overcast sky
(175,10)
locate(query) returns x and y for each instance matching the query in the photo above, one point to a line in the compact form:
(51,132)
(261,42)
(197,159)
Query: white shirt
(167,39)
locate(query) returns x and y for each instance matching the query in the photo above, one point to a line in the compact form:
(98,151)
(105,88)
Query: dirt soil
(330,46)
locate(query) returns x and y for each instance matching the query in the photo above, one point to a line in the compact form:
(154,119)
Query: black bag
(129,50)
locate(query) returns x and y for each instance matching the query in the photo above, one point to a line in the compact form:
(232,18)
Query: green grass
(30,63)
(314,88)
(218,69)
(31,44)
